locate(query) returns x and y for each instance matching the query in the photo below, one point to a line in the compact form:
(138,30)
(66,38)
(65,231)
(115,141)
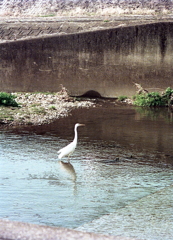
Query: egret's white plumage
(69,149)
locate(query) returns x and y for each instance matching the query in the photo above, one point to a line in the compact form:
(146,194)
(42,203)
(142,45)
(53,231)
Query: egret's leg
(68,158)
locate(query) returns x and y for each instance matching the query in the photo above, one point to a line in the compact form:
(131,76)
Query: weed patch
(153,99)
(8,99)
(39,110)
(122,98)
(52,108)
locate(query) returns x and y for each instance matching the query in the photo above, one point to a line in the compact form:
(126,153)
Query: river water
(123,154)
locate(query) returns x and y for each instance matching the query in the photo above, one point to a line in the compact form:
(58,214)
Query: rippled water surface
(123,155)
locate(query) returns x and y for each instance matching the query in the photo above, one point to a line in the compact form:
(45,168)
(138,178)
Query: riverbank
(40,108)
(44,108)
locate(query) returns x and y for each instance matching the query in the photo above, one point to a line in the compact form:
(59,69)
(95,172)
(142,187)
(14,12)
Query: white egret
(69,149)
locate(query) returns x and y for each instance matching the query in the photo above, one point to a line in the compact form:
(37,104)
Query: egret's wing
(60,150)
(65,148)
(69,149)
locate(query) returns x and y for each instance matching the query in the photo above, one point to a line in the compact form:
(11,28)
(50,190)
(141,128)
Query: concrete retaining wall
(107,61)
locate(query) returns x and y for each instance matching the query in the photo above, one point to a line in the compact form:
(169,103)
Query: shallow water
(37,188)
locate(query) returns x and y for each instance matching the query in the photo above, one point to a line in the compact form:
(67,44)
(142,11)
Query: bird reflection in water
(68,168)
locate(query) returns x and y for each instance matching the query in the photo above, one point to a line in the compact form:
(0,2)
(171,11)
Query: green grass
(48,15)
(35,104)
(153,99)
(52,108)
(122,98)
(39,110)
(6,113)
(8,99)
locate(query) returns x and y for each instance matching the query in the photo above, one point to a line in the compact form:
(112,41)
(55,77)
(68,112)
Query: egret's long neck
(75,134)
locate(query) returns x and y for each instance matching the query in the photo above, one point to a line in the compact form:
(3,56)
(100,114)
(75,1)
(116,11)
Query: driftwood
(140,89)
(170,103)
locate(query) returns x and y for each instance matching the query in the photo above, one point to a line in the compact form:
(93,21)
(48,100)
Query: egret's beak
(82,125)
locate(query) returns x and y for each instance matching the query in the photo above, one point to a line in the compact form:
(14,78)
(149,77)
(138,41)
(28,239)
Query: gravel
(40,108)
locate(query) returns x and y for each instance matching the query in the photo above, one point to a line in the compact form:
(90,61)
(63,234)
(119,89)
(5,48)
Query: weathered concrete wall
(107,61)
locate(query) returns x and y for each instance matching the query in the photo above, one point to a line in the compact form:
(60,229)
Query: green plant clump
(52,108)
(8,99)
(39,110)
(153,99)
(122,98)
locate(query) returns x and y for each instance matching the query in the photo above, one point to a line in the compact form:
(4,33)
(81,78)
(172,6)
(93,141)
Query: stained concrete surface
(107,61)
(14,28)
